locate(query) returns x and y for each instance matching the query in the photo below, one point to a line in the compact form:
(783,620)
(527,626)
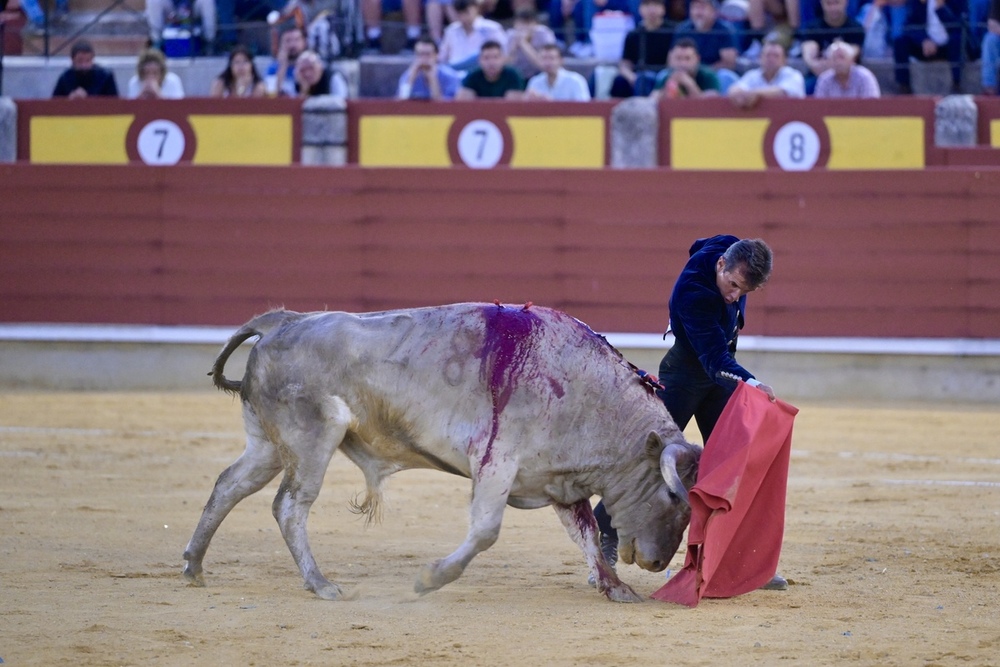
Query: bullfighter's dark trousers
(689,392)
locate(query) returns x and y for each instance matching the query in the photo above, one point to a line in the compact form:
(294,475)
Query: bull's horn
(668,468)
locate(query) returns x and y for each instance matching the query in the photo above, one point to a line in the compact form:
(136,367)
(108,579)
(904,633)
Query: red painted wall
(856,254)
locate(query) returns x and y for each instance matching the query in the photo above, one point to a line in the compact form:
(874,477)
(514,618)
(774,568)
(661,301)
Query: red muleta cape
(738,503)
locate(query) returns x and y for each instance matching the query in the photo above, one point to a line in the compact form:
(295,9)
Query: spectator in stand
(84,78)
(425,78)
(35,14)
(555,82)
(685,76)
(810,10)
(435,13)
(525,41)
(991,50)
(240,78)
(280,76)
(644,53)
(464,39)
(161,12)
(933,32)
(717,40)
(844,78)
(774,20)
(371,12)
(977,26)
(821,32)
(313,77)
(152,80)
(492,78)
(876,18)
(313,16)
(773,79)
(580,13)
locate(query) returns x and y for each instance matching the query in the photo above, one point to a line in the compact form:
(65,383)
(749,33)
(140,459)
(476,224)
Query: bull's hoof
(194,578)
(328,591)
(622,593)
(425,583)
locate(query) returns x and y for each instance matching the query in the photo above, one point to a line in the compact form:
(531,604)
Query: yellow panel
(995,133)
(558,142)
(404,141)
(718,143)
(876,142)
(257,139)
(79,139)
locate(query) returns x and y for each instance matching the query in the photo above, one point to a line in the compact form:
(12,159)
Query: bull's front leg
(581,525)
(491,486)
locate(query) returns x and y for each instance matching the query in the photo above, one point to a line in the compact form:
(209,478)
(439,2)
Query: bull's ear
(654,445)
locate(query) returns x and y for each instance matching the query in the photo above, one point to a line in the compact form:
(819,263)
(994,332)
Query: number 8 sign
(797,145)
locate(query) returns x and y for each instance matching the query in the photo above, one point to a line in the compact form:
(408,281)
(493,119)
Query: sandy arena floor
(892,548)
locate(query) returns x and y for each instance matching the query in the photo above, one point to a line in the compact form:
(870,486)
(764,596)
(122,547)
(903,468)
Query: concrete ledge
(143,358)
(34,77)
(8,130)
(635,123)
(324,131)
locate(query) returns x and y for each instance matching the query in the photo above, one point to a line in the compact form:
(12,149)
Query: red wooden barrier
(856,253)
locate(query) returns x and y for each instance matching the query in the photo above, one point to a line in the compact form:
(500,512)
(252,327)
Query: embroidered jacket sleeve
(702,318)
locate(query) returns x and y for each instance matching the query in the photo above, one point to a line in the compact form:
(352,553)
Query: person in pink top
(845,78)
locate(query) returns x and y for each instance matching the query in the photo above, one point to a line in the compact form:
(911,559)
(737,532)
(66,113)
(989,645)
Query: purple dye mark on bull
(583,514)
(586,523)
(557,388)
(506,347)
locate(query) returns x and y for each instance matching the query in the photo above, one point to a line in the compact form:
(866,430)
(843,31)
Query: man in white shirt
(555,82)
(464,38)
(772,79)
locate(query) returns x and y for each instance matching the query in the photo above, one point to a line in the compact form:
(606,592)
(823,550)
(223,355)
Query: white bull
(527,402)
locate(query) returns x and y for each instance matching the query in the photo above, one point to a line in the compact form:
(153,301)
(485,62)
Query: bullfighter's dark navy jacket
(705,327)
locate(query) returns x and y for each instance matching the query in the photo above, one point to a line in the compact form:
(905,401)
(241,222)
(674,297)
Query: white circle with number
(796,146)
(161,142)
(480,144)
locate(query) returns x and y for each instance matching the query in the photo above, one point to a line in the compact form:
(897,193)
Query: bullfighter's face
(732,284)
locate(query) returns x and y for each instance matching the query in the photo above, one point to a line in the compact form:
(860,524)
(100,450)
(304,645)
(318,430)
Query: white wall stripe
(110,333)
(939,482)
(107,432)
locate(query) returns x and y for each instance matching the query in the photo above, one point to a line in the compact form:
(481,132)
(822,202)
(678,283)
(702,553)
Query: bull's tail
(258,326)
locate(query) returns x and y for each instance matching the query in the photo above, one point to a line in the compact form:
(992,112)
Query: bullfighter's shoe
(777,583)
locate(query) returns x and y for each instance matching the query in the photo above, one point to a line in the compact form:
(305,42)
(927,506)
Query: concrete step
(104,45)
(95,6)
(112,23)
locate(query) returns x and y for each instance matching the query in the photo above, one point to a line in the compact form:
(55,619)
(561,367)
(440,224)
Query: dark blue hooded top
(704,325)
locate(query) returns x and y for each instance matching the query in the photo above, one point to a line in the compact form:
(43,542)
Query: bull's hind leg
(257,466)
(491,487)
(311,444)
(579,521)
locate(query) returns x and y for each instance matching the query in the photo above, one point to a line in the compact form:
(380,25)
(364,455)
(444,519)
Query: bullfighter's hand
(766,388)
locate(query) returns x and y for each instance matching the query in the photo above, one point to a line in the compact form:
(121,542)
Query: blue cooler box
(181,41)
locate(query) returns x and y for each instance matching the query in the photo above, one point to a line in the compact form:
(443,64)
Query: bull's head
(658,523)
